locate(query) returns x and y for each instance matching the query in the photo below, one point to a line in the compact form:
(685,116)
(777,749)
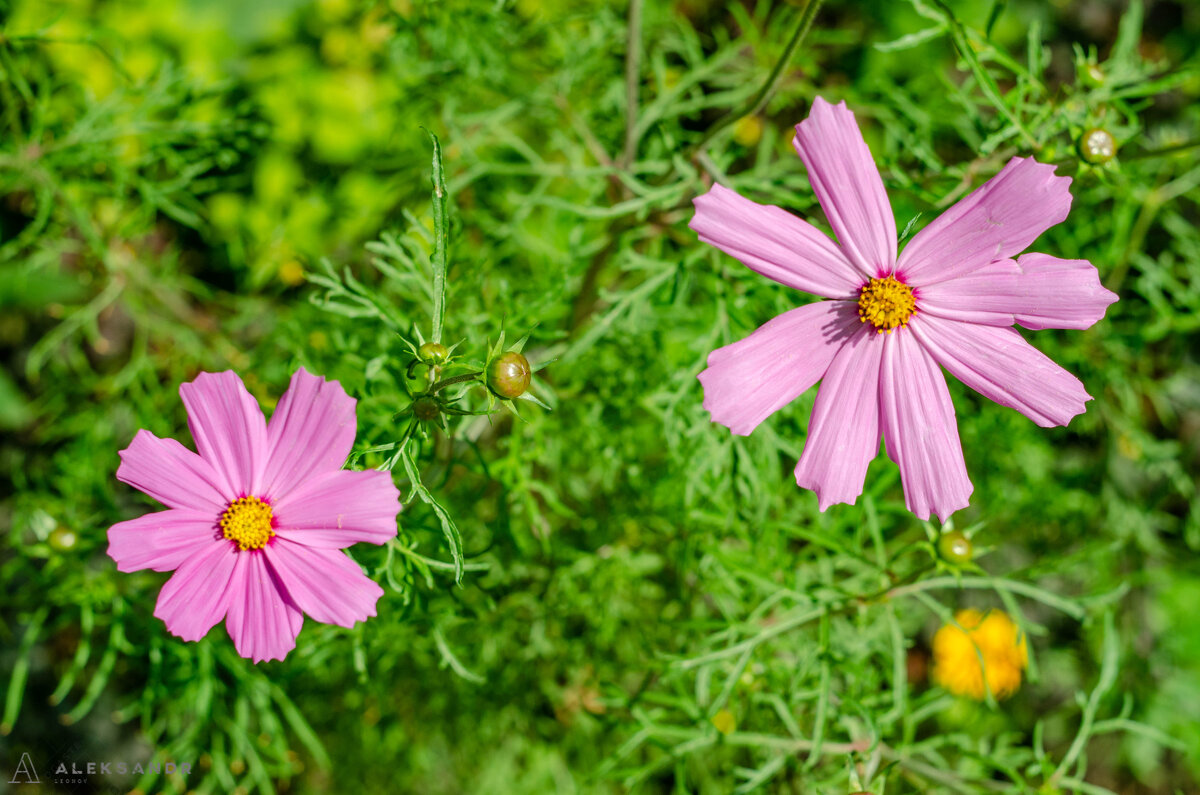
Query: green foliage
(613,595)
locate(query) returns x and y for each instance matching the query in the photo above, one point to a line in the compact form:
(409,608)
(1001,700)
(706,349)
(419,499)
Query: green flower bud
(426,409)
(508,376)
(62,539)
(955,547)
(1097,146)
(433,353)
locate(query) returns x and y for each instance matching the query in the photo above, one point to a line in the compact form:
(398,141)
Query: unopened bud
(426,409)
(508,376)
(433,353)
(1097,146)
(955,547)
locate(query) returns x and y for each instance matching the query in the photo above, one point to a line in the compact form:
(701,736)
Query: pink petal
(1037,290)
(775,243)
(843,433)
(997,221)
(198,593)
(751,379)
(847,183)
(998,363)
(263,620)
(311,431)
(338,509)
(171,474)
(229,429)
(919,428)
(161,541)
(324,583)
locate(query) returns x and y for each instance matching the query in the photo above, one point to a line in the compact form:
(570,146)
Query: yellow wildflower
(748,130)
(992,637)
(724,721)
(291,273)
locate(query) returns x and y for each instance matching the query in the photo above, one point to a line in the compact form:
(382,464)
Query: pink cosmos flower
(257,519)
(950,299)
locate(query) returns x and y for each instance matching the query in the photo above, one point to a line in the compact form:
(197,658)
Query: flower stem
(440,234)
(1163,152)
(633,58)
(757,102)
(458,379)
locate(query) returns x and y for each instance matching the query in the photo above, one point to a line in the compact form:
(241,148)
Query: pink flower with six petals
(950,299)
(256,520)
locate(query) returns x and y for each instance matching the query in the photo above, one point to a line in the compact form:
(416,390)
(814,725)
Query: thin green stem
(767,633)
(440,234)
(20,671)
(986,83)
(11,107)
(1108,676)
(1166,150)
(633,65)
(458,379)
(991,583)
(37,38)
(434,563)
(758,740)
(756,103)
(944,777)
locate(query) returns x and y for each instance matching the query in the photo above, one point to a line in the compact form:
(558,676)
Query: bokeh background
(203,184)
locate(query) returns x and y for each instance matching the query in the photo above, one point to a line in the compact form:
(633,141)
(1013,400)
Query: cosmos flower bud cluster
(434,369)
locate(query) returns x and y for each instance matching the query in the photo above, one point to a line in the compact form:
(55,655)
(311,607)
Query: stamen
(886,304)
(247,523)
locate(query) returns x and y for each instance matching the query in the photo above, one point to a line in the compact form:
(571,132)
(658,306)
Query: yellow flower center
(247,523)
(886,304)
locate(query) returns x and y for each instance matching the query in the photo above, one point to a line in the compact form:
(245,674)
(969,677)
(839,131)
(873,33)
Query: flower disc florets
(886,304)
(247,523)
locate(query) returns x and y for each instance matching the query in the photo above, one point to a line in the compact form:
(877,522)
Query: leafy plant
(614,595)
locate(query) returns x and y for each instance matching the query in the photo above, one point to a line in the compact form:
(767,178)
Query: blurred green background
(190,185)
